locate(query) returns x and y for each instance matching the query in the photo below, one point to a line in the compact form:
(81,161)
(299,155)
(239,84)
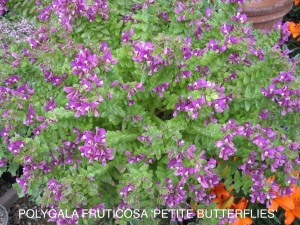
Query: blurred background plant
(18,31)
(293,17)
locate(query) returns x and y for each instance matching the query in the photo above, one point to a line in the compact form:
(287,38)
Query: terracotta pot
(266,13)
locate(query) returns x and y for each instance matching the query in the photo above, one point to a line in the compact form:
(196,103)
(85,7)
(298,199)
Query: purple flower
(234,58)
(84,62)
(165,16)
(107,56)
(226,28)
(3,162)
(12,80)
(29,116)
(179,8)
(294,146)
(23,183)
(137,158)
(258,53)
(33,44)
(127,35)
(208,12)
(94,147)
(175,194)
(227,147)
(264,114)
(125,191)
(186,74)
(213,44)
(50,105)
(3,7)
(208,181)
(16,146)
(241,18)
(161,88)
(143,51)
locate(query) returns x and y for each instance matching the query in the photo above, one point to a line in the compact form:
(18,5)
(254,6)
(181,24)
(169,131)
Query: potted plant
(266,13)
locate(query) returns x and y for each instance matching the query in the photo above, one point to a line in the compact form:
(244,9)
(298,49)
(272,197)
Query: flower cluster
(137,158)
(192,106)
(280,91)
(84,62)
(94,147)
(30,170)
(66,11)
(50,105)
(107,56)
(175,194)
(127,35)
(143,53)
(22,92)
(161,88)
(56,80)
(3,7)
(29,116)
(16,146)
(268,156)
(125,190)
(56,188)
(78,103)
(202,169)
(226,146)
(83,65)
(23,182)
(66,154)
(284,32)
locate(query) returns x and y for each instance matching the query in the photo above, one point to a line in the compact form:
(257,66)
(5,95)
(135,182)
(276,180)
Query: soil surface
(22,203)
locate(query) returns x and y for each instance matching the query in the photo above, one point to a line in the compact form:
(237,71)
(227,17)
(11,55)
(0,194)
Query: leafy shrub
(153,104)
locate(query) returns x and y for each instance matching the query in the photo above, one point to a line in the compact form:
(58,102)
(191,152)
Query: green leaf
(134,222)
(247,105)
(173,223)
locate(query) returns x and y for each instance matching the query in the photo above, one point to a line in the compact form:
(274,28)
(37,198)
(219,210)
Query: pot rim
(5,214)
(262,7)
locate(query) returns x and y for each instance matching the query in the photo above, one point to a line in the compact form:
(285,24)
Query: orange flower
(291,205)
(296,174)
(225,200)
(297,2)
(222,196)
(294,28)
(242,205)
(243,221)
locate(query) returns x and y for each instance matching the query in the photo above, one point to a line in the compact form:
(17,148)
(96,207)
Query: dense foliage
(148,104)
